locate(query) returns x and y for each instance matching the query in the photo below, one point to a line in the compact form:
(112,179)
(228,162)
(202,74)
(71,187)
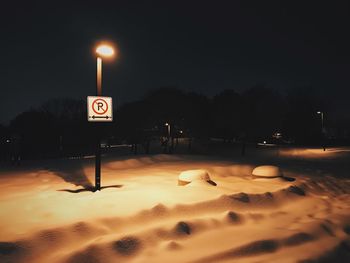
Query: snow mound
(190,176)
(267,171)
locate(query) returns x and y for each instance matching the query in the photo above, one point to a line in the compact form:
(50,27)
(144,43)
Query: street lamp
(321,113)
(168,125)
(102,51)
(106,51)
(322,133)
(172,139)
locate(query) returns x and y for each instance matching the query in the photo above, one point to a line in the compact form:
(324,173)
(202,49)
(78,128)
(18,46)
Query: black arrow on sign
(100,117)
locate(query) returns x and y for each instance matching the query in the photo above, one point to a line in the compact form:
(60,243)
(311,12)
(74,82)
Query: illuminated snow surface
(48,214)
(267,171)
(195,177)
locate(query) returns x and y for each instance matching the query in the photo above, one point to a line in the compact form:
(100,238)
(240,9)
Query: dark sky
(202,46)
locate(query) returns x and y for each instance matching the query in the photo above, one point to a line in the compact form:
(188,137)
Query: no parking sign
(100,109)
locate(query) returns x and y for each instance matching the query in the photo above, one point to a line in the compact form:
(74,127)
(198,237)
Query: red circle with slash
(97,103)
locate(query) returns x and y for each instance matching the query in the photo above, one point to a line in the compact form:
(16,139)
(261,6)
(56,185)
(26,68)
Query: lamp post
(322,128)
(170,149)
(168,125)
(321,113)
(102,50)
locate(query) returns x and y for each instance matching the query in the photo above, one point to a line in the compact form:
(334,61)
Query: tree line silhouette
(59,127)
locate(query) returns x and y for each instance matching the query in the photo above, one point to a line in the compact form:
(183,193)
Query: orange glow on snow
(47,216)
(313,153)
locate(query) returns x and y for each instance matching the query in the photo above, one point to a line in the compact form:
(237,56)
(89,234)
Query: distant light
(264,142)
(277,135)
(8,141)
(105,50)
(181,131)
(319,112)
(166,124)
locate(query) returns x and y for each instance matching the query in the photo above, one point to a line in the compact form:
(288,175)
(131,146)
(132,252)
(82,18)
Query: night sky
(202,46)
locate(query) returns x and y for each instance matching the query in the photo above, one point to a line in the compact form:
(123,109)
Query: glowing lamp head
(105,51)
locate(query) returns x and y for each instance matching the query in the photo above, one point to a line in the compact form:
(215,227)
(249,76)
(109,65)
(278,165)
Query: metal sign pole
(98,165)
(98,143)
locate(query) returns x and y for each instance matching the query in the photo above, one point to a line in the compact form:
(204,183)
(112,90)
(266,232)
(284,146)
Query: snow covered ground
(48,212)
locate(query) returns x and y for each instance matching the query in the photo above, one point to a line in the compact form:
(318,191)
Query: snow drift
(149,218)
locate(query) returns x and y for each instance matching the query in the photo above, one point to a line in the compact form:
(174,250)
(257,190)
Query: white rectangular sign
(99,109)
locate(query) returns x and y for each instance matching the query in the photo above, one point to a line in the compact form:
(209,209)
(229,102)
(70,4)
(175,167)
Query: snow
(267,171)
(49,214)
(190,176)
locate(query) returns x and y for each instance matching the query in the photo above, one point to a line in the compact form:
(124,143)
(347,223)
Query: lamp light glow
(105,51)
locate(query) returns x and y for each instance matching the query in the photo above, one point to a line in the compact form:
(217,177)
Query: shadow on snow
(90,189)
